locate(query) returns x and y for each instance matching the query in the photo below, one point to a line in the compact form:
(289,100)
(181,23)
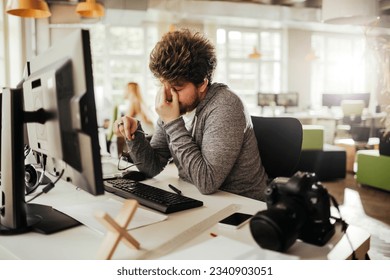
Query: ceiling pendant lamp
(311,56)
(90,9)
(255,54)
(171,28)
(28,8)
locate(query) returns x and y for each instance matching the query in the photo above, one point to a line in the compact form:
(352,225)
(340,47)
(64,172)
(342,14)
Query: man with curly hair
(203,126)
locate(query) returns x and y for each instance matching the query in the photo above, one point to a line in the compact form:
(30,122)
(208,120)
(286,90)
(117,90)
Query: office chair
(280,142)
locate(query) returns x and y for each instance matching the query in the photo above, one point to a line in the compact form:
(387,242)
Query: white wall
(14,51)
(298,68)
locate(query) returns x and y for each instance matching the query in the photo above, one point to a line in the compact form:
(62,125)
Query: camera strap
(344,226)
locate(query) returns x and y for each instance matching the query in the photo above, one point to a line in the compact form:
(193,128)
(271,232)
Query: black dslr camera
(298,208)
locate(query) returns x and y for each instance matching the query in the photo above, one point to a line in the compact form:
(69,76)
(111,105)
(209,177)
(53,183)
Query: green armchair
(373,169)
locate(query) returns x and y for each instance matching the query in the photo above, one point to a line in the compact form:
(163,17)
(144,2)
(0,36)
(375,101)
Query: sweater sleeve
(150,157)
(208,164)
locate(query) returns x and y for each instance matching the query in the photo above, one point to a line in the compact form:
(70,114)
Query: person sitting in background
(203,126)
(137,107)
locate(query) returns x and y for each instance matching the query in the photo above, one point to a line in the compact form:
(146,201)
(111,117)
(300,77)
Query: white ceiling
(300,14)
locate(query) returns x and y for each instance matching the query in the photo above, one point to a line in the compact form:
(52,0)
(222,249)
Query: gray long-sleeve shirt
(220,153)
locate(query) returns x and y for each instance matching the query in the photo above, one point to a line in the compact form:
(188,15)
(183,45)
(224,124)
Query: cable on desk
(39,181)
(48,187)
(27,151)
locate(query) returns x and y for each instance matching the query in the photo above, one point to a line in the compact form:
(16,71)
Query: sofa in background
(327,161)
(373,169)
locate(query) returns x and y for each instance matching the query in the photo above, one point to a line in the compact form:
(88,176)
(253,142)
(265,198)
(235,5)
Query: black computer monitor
(266,99)
(334,99)
(57,102)
(288,99)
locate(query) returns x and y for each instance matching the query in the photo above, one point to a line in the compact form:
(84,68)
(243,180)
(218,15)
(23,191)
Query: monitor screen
(334,99)
(289,99)
(266,99)
(58,105)
(352,108)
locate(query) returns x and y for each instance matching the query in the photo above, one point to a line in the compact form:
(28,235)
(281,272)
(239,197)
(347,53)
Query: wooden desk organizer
(117,230)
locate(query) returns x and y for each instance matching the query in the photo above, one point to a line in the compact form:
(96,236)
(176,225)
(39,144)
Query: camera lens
(275,229)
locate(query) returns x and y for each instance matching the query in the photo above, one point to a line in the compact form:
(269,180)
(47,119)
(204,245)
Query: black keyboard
(149,196)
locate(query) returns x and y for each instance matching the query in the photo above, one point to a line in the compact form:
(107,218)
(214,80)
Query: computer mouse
(134,175)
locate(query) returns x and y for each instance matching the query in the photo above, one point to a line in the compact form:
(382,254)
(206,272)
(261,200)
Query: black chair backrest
(279,140)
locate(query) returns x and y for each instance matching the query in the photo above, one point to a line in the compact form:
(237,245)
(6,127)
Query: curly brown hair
(183,56)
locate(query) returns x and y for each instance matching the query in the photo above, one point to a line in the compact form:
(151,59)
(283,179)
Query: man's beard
(185,109)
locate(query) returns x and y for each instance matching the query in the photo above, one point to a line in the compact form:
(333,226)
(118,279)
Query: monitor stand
(43,219)
(17,216)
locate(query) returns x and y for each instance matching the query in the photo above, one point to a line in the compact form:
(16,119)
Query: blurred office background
(310,59)
(262,46)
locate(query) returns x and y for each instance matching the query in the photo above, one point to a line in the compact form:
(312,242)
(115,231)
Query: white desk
(83,243)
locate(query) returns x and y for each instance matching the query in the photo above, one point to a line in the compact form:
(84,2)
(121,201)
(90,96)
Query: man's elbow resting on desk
(207,191)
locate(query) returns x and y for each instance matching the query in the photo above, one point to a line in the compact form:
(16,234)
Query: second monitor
(285,99)
(61,83)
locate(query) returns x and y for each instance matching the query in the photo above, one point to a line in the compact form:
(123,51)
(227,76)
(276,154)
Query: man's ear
(204,85)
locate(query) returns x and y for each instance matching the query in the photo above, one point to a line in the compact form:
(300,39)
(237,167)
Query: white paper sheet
(85,214)
(224,248)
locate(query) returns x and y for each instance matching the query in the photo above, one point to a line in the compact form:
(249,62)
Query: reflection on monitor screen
(352,107)
(289,99)
(266,99)
(57,103)
(334,99)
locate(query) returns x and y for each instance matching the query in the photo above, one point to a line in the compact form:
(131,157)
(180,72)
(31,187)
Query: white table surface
(82,242)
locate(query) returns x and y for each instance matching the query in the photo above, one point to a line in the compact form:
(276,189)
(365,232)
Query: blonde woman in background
(137,107)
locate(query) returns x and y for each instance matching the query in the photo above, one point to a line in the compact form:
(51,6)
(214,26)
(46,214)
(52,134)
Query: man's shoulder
(223,94)
(220,88)
(219,98)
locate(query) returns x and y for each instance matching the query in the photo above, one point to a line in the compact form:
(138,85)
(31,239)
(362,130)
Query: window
(245,75)
(2,46)
(120,55)
(12,60)
(339,67)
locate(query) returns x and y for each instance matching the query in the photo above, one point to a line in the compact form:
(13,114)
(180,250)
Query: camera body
(297,208)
